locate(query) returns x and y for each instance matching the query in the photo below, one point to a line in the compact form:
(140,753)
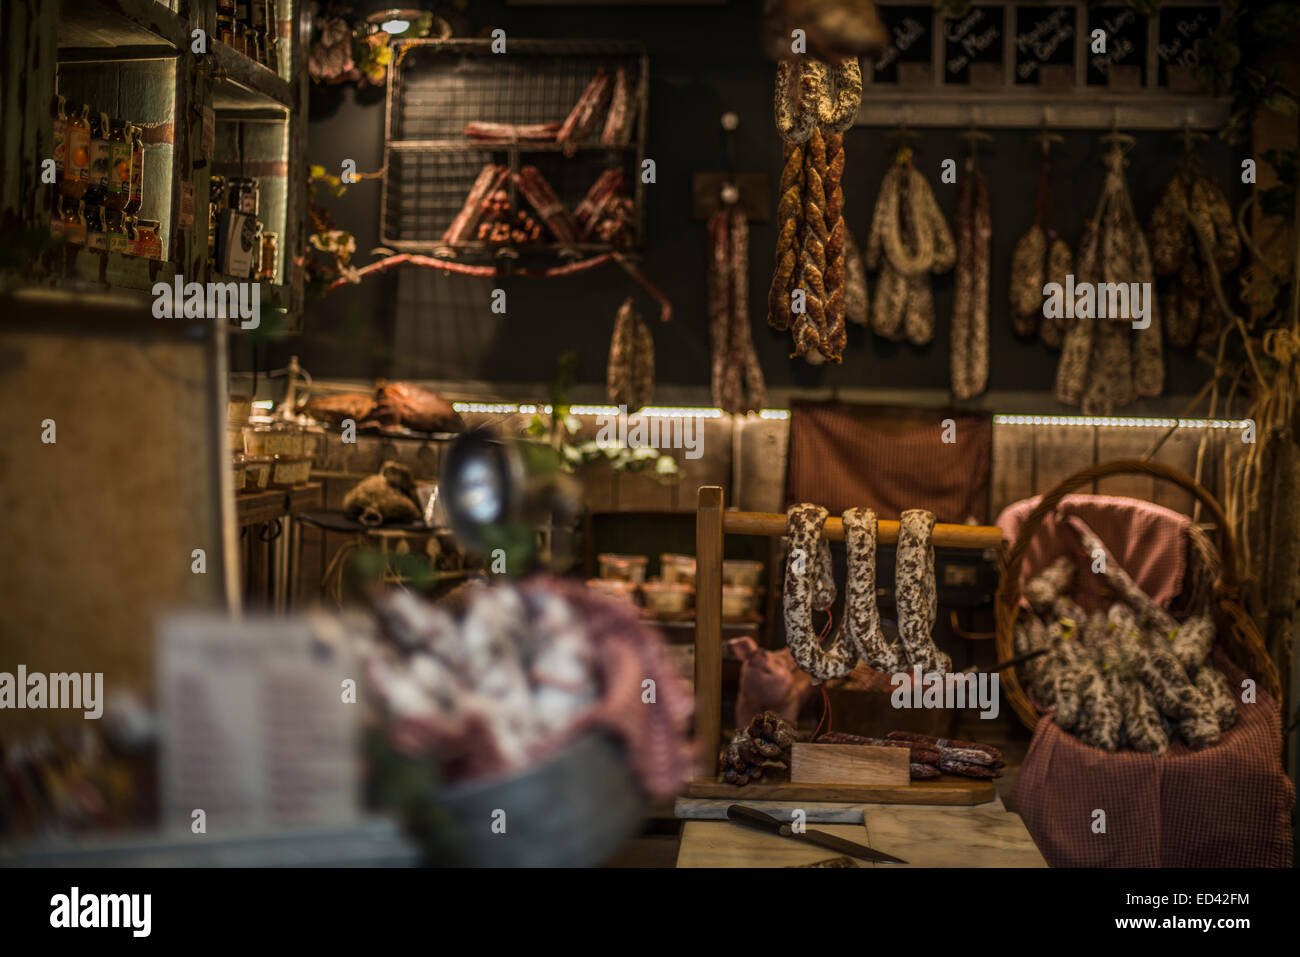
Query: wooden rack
(712,523)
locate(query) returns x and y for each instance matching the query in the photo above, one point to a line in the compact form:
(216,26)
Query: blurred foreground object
(835,28)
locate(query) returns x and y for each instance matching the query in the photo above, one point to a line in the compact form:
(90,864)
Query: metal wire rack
(437,86)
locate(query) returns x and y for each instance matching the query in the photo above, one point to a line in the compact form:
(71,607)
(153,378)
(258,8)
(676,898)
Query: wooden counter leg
(708,629)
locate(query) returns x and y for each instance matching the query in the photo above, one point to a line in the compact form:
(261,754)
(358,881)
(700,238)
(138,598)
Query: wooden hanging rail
(712,524)
(772,525)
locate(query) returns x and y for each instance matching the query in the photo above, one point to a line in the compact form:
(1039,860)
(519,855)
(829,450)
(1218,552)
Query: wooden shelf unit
(712,523)
(135,59)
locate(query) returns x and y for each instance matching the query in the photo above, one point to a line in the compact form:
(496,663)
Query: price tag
(1044,37)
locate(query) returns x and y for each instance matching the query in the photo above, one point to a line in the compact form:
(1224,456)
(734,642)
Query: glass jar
(136,198)
(244,196)
(119,166)
(74,226)
(146,234)
(270,254)
(76,173)
(96,238)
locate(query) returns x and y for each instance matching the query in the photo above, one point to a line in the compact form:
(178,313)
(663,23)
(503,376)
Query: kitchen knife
(752,817)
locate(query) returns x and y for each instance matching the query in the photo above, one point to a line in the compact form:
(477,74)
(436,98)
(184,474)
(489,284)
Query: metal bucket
(574,810)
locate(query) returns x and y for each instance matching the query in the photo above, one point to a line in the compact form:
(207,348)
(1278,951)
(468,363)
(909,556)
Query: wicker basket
(1237,635)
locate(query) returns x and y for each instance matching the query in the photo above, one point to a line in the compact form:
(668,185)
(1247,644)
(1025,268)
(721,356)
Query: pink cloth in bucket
(1149,542)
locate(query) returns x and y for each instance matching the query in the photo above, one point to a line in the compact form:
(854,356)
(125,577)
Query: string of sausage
(737,375)
(630,378)
(915,593)
(970,313)
(806,587)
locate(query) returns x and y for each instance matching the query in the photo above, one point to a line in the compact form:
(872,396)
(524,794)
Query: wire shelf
(438,86)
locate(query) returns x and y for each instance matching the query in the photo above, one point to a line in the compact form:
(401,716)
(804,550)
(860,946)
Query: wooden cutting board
(945,789)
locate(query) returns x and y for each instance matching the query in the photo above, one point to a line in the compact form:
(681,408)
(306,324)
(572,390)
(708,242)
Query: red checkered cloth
(1225,806)
(889,459)
(1149,542)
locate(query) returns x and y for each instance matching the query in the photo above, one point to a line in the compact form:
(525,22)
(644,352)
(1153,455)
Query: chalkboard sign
(909,40)
(1180,28)
(1126,45)
(973,38)
(1044,36)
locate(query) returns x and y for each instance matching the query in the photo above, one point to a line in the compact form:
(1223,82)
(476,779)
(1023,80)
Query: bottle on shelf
(130,227)
(96,238)
(100,128)
(150,244)
(270,253)
(76,174)
(136,193)
(115,229)
(119,176)
(74,226)
(60,139)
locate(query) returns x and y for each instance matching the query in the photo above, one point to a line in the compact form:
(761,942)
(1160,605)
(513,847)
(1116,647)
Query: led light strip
(1122,422)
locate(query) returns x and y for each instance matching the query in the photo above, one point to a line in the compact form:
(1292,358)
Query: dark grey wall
(704,60)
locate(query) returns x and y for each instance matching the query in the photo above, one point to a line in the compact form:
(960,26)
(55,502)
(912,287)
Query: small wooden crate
(849,764)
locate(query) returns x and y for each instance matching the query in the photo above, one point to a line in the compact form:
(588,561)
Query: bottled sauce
(60,139)
(74,227)
(97,191)
(136,197)
(270,253)
(146,233)
(76,174)
(96,238)
(119,167)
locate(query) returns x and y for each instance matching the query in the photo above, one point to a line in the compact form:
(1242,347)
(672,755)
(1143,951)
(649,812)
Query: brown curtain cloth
(889,459)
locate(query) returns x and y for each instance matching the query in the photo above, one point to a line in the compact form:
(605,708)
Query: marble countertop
(983,835)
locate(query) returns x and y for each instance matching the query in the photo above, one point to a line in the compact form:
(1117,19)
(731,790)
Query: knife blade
(760,820)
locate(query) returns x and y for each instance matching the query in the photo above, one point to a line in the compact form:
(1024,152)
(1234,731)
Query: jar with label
(136,197)
(129,225)
(115,230)
(96,238)
(74,226)
(76,175)
(99,158)
(119,166)
(60,139)
(270,253)
(244,196)
(150,244)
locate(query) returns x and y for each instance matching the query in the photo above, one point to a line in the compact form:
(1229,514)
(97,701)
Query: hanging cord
(1043,195)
